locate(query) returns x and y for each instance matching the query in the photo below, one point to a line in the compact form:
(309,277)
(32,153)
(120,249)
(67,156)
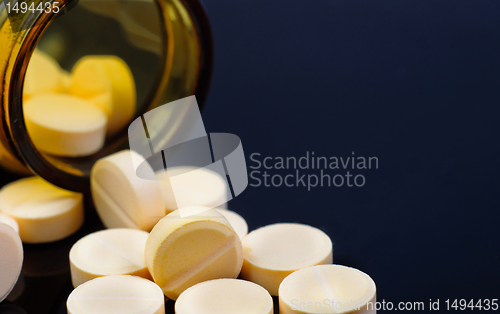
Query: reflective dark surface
(415,83)
(45,281)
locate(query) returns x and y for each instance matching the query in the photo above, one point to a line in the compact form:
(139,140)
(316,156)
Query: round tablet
(109,252)
(192,245)
(224,296)
(121,198)
(238,223)
(327,289)
(190,186)
(9,221)
(11,259)
(273,252)
(118,294)
(109,83)
(44,212)
(64,125)
(42,76)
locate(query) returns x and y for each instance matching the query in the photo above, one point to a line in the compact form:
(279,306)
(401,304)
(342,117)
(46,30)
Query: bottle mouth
(168,63)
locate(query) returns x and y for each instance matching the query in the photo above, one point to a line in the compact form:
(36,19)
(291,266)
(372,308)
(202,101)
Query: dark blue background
(415,83)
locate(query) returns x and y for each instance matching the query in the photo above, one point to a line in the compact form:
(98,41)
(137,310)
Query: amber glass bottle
(166,43)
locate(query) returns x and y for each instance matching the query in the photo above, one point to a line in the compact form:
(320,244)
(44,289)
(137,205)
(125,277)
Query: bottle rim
(17,136)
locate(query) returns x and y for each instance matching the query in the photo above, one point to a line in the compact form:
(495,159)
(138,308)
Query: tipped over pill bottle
(75,73)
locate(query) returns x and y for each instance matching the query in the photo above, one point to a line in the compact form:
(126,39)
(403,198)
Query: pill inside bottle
(82,87)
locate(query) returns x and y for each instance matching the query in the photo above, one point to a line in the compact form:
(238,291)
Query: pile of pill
(201,257)
(71,114)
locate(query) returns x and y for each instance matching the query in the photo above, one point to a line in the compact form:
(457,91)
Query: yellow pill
(273,252)
(327,289)
(42,76)
(117,294)
(11,259)
(121,198)
(109,252)
(189,246)
(109,83)
(64,125)
(224,296)
(44,212)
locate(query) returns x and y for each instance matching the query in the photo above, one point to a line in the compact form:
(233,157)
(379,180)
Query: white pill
(192,245)
(225,296)
(44,212)
(273,252)
(122,199)
(327,289)
(190,186)
(198,187)
(238,223)
(9,221)
(11,259)
(109,252)
(64,125)
(117,294)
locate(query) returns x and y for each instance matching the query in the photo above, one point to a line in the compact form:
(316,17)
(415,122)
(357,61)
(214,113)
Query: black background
(414,83)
